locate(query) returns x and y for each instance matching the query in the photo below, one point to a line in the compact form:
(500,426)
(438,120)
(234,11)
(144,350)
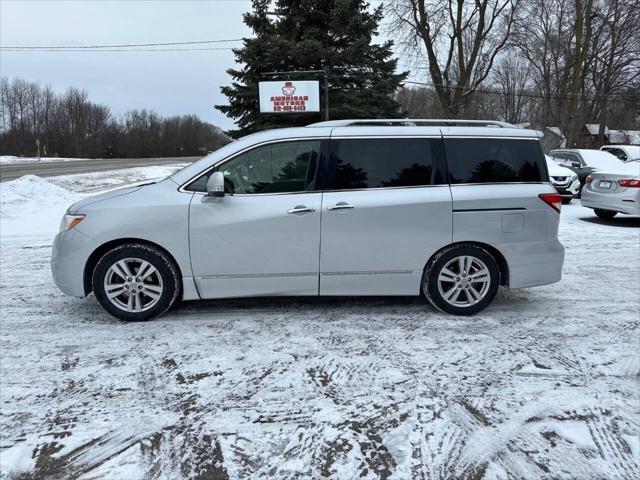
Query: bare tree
(512,77)
(582,37)
(418,102)
(614,61)
(461,40)
(543,34)
(71,125)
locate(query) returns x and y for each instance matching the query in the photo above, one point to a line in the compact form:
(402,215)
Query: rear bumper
(534,263)
(626,202)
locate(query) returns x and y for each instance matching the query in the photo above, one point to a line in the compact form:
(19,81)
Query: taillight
(629,182)
(589,180)
(554,200)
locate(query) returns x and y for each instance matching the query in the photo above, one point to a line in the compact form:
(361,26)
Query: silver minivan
(452,210)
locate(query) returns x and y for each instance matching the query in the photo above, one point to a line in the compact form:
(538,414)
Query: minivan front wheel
(136,282)
(462,280)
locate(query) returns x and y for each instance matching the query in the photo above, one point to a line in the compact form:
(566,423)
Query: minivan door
(388,211)
(263,237)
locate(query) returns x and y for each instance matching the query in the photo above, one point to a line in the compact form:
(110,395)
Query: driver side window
(284,167)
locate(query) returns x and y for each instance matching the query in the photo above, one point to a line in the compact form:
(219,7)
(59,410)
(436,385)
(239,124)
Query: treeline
(525,107)
(557,63)
(70,125)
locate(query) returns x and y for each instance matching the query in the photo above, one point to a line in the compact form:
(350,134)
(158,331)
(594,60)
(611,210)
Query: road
(49,169)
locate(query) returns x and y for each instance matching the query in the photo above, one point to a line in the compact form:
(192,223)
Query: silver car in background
(612,191)
(448,209)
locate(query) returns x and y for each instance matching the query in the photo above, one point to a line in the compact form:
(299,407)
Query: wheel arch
(495,253)
(92,261)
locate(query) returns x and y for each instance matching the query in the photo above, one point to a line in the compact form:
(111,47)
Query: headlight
(574,178)
(70,220)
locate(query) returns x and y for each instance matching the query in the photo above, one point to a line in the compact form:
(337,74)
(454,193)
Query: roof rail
(408,122)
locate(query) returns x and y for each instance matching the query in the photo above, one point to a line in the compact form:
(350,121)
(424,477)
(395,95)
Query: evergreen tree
(334,35)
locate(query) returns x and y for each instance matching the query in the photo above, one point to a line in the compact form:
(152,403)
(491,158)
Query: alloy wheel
(464,281)
(133,285)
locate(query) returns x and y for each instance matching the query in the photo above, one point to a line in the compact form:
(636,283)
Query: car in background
(564,180)
(626,153)
(584,161)
(612,191)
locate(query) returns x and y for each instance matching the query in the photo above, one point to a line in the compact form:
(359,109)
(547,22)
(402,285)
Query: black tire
(606,214)
(566,201)
(165,268)
(433,270)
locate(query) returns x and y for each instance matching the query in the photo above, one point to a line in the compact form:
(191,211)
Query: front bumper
(567,190)
(625,202)
(71,250)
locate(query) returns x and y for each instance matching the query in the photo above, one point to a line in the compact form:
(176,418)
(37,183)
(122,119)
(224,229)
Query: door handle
(300,209)
(341,206)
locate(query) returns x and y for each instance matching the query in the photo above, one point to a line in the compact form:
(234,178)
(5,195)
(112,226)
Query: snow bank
(99,181)
(32,205)
(11,159)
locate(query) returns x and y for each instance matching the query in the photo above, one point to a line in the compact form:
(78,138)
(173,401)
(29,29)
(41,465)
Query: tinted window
(485,160)
(274,168)
(617,152)
(574,157)
(381,162)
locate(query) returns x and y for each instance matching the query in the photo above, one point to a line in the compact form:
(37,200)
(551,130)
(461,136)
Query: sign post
(38,146)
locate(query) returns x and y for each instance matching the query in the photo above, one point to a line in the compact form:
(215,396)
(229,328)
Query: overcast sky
(167,82)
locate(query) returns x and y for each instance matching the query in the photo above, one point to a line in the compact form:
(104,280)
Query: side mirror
(215,185)
(576,164)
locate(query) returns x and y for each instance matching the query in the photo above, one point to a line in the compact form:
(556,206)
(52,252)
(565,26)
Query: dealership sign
(289,96)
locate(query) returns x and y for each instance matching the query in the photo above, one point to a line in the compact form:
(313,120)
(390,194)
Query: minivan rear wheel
(462,280)
(136,282)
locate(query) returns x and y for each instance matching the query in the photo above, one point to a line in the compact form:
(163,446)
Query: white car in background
(612,191)
(626,153)
(564,180)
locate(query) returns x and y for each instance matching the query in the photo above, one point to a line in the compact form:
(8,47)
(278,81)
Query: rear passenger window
(382,162)
(485,160)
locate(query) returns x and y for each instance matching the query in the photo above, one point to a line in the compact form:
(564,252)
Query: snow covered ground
(542,384)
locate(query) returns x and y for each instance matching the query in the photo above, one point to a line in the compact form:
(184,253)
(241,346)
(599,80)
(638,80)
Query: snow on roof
(556,131)
(625,136)
(594,128)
